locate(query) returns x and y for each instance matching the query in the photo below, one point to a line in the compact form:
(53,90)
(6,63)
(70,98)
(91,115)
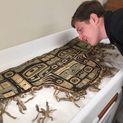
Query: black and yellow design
(71,68)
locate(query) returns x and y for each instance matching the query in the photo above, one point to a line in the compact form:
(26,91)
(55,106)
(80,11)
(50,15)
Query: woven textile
(72,68)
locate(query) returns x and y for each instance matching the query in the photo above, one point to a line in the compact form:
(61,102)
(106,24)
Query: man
(93,24)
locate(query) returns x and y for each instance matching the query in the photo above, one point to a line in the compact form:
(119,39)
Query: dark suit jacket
(114,27)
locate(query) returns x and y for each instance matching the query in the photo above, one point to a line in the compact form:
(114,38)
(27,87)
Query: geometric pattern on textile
(72,68)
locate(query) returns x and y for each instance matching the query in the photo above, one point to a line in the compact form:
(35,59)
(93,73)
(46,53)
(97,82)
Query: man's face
(88,31)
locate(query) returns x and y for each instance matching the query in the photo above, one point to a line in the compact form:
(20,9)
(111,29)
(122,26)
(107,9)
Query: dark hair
(85,9)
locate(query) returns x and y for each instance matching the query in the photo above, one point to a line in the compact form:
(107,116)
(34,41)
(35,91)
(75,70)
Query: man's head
(87,20)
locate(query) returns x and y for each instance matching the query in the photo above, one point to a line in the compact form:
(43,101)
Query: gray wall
(25,20)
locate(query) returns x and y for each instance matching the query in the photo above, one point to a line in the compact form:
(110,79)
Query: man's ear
(94,18)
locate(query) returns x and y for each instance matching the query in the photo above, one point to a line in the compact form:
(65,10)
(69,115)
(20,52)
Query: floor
(113,5)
